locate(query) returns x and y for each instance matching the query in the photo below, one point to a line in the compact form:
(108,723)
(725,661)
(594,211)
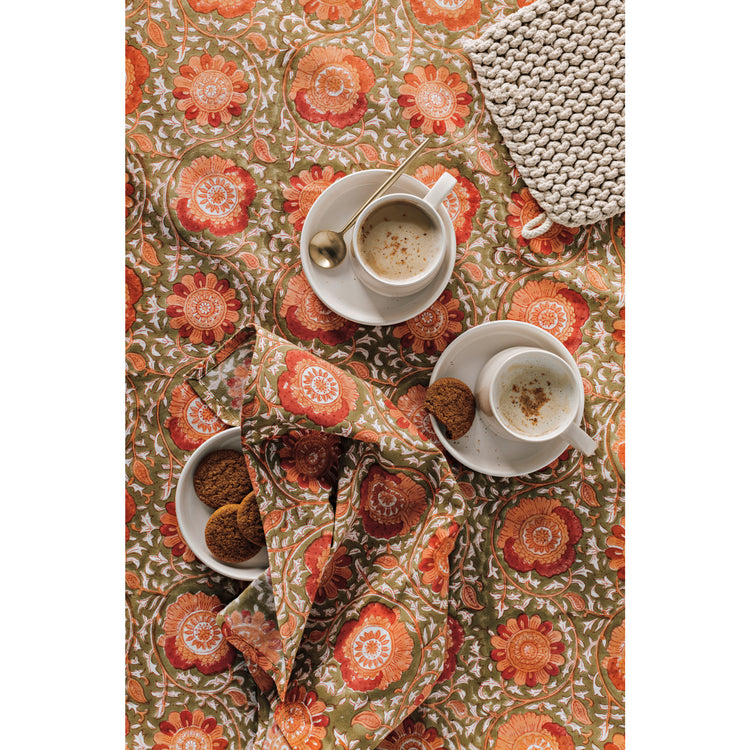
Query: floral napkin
(346,632)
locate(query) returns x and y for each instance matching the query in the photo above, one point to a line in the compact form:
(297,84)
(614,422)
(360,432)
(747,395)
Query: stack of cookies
(234,531)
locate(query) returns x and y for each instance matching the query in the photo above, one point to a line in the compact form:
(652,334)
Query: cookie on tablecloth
(248,520)
(221,477)
(224,539)
(452,403)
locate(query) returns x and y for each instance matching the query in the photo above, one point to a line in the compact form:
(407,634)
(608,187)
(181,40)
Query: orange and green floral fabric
(239,113)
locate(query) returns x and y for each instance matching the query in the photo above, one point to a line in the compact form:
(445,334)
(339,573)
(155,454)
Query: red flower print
(309,458)
(614,662)
(308,318)
(434,328)
(527,650)
(410,413)
(130,509)
(190,421)
(330,84)
(133,292)
(434,99)
(192,637)
(374,650)
(455,15)
(203,308)
(306,187)
(616,549)
(412,735)
(391,504)
(316,389)
(618,743)
(539,534)
(618,446)
(619,332)
(170,530)
(553,307)
(434,563)
(189,729)
(129,191)
(522,209)
(331,10)
(210,90)
(226,8)
(462,202)
(214,194)
(256,638)
(531,731)
(454,639)
(329,574)
(136,72)
(301,718)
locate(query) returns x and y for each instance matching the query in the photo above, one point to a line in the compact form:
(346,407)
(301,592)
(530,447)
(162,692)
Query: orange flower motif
(619,333)
(539,534)
(306,187)
(171,532)
(462,202)
(454,15)
(618,743)
(331,10)
(190,421)
(374,650)
(434,563)
(188,729)
(531,731)
(308,318)
(619,444)
(434,328)
(210,90)
(391,504)
(616,549)
(301,718)
(226,8)
(411,405)
(412,735)
(129,191)
(434,99)
(522,209)
(255,637)
(614,662)
(527,650)
(136,72)
(133,292)
(203,308)
(454,639)
(214,194)
(191,636)
(329,575)
(130,509)
(553,307)
(320,391)
(331,84)
(309,458)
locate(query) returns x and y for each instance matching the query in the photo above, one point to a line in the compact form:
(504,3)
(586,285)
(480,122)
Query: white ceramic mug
(531,395)
(427,207)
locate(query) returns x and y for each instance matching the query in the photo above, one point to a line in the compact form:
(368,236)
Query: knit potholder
(553,78)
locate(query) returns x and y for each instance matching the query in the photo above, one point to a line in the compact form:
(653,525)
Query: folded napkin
(553,79)
(345,634)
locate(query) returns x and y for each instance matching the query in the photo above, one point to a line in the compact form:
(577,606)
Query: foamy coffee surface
(398,241)
(535,398)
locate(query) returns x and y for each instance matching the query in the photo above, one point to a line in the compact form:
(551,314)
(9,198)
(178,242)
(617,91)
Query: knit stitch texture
(553,78)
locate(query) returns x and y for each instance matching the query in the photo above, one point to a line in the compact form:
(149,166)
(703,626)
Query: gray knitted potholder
(553,79)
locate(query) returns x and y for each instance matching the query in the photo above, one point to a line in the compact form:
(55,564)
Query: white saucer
(480,448)
(338,288)
(192,514)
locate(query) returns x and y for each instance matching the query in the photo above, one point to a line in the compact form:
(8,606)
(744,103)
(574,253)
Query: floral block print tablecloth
(239,113)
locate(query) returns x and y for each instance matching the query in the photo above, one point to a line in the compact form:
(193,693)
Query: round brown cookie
(224,539)
(221,478)
(248,520)
(452,403)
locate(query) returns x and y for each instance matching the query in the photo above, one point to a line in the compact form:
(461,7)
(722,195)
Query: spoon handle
(391,179)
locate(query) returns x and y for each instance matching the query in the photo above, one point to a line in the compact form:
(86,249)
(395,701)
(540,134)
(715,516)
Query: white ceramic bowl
(192,514)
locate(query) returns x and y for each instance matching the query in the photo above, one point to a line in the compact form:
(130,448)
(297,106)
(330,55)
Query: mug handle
(440,190)
(580,440)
